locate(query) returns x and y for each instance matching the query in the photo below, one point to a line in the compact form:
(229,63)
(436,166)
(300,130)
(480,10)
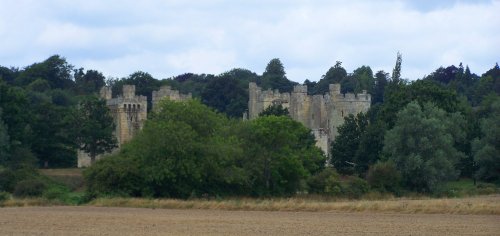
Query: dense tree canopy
(421,144)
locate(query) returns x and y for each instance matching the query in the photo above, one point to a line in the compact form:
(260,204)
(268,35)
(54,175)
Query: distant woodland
(417,136)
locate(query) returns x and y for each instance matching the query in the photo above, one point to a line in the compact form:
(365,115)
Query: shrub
(4,196)
(384,177)
(325,182)
(29,188)
(55,193)
(354,187)
(7,180)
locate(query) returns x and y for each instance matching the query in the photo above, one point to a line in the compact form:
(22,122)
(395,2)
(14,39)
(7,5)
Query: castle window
(342,113)
(133,107)
(124,106)
(129,107)
(138,106)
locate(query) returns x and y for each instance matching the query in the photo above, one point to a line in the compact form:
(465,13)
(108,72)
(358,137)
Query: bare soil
(87,220)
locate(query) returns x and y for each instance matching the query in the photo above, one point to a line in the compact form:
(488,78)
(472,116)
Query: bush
(384,177)
(325,182)
(29,188)
(4,196)
(354,187)
(329,182)
(7,180)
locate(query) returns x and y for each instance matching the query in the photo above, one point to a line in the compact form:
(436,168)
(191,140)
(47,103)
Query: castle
(323,114)
(129,113)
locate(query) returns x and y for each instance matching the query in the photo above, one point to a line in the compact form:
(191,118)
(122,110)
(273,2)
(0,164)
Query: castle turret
(106,93)
(334,89)
(128,91)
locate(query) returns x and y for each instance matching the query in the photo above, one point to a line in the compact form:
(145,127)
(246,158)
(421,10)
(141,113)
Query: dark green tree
(56,70)
(486,149)
(274,77)
(396,72)
(421,144)
(226,94)
(381,80)
(334,75)
(4,141)
(94,127)
(89,82)
(345,145)
(275,110)
(280,152)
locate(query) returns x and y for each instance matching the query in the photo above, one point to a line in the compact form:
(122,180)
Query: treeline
(416,136)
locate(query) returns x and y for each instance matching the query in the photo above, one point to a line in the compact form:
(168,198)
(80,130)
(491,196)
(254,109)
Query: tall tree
(226,94)
(381,80)
(4,140)
(280,153)
(486,149)
(89,82)
(421,144)
(396,72)
(94,127)
(346,144)
(274,77)
(335,75)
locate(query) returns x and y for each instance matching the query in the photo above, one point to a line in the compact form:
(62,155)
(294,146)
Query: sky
(171,37)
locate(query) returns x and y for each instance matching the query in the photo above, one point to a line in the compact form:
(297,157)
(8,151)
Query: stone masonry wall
(323,114)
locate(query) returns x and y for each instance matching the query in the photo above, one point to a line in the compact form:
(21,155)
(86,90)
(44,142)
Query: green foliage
(181,152)
(279,153)
(334,75)
(370,147)
(345,145)
(226,94)
(55,70)
(94,127)
(4,196)
(421,144)
(330,183)
(486,149)
(396,72)
(88,82)
(384,177)
(274,77)
(114,175)
(275,110)
(29,188)
(324,182)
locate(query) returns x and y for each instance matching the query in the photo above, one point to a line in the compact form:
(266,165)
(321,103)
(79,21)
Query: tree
(396,72)
(486,149)
(346,144)
(183,150)
(56,70)
(381,80)
(4,140)
(280,152)
(421,144)
(226,94)
(364,75)
(274,77)
(94,127)
(334,75)
(89,82)
(275,110)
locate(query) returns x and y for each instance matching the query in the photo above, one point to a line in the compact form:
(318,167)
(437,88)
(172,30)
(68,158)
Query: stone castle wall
(129,113)
(323,114)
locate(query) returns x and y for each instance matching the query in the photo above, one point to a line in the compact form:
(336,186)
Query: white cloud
(166,38)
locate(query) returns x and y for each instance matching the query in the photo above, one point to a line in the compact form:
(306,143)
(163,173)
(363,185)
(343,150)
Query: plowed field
(133,221)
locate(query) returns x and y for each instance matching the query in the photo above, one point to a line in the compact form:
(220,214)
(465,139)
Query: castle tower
(323,114)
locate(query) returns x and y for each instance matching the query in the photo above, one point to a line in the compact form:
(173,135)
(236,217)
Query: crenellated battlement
(167,92)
